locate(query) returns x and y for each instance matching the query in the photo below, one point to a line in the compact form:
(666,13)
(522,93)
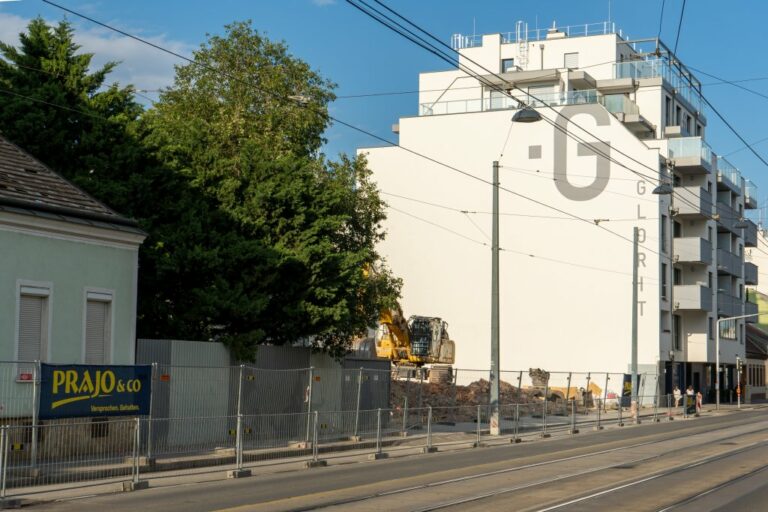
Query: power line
(442,55)
(339,121)
(514,251)
(679,25)
(48,103)
(661,17)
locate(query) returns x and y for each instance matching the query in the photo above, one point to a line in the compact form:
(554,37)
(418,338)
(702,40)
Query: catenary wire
(679,26)
(449,59)
(343,123)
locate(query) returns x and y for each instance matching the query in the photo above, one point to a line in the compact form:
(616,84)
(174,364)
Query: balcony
(728,305)
(628,113)
(750,308)
(503,102)
(728,219)
(728,263)
(687,87)
(750,234)
(750,195)
(691,155)
(728,176)
(692,202)
(693,250)
(692,297)
(750,273)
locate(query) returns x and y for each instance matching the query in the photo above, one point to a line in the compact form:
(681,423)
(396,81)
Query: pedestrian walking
(699,399)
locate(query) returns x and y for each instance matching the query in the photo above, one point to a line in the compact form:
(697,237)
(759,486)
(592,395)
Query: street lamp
(666,189)
(524,115)
(717,352)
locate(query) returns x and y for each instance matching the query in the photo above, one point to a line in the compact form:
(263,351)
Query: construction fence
(207,418)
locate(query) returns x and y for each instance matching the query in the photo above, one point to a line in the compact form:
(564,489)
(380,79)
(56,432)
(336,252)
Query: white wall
(559,316)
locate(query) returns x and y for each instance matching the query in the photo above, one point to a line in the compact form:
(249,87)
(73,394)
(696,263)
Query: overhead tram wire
(661,18)
(344,123)
(440,54)
(679,26)
(451,60)
(513,251)
(649,179)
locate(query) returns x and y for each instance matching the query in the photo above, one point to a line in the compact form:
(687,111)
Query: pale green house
(68,271)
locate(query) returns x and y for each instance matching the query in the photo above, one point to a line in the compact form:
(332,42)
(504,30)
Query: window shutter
(571,60)
(96,332)
(30,327)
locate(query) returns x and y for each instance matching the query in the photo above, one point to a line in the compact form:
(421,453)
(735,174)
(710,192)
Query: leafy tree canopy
(255,237)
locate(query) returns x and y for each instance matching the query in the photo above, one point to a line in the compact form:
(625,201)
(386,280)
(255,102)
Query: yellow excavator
(412,344)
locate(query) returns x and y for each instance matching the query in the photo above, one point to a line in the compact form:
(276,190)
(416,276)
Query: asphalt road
(710,463)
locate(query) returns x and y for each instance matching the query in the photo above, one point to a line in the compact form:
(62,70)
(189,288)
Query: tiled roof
(26,183)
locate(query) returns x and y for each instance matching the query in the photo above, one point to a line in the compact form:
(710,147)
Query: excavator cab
(429,340)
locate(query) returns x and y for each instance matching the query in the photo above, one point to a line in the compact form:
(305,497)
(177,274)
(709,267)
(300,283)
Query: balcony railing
(750,194)
(693,250)
(728,305)
(693,200)
(692,297)
(728,263)
(728,218)
(460,41)
(619,104)
(728,174)
(750,234)
(554,99)
(750,274)
(685,147)
(653,68)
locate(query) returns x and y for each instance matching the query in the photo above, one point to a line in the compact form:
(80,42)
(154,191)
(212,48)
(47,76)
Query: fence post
(421,389)
(574,430)
(135,483)
(309,401)
(357,406)
(621,412)
(405,417)
(605,390)
(598,424)
(516,438)
(152,377)
(315,437)
(669,408)
(479,420)
(429,448)
(544,432)
(587,393)
(378,454)
(35,398)
(3,458)
(568,389)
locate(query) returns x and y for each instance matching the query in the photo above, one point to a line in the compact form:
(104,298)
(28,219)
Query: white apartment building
(620,117)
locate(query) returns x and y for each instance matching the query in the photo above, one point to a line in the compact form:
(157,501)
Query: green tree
(68,117)
(244,125)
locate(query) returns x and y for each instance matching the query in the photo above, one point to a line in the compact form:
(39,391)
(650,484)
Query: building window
(664,233)
(709,281)
(667,111)
(678,277)
(678,115)
(571,60)
(498,100)
(687,124)
(664,281)
(677,229)
(728,329)
(32,342)
(98,328)
(677,333)
(710,324)
(507,65)
(698,130)
(709,233)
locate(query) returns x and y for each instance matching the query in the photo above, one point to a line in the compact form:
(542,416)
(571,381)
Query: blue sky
(724,39)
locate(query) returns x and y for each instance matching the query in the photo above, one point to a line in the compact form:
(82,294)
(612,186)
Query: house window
(507,65)
(32,342)
(98,328)
(571,60)
(677,333)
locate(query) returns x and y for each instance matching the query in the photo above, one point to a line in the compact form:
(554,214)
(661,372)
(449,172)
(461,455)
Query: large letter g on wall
(601,150)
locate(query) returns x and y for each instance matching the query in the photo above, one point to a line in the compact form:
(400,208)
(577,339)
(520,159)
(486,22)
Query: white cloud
(140,65)
(323,3)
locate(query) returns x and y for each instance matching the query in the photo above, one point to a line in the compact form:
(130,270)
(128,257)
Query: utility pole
(636,247)
(495,366)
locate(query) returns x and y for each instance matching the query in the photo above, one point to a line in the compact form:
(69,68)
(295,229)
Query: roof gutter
(69,212)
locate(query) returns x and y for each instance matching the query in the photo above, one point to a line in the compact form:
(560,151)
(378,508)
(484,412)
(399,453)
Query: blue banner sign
(80,390)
